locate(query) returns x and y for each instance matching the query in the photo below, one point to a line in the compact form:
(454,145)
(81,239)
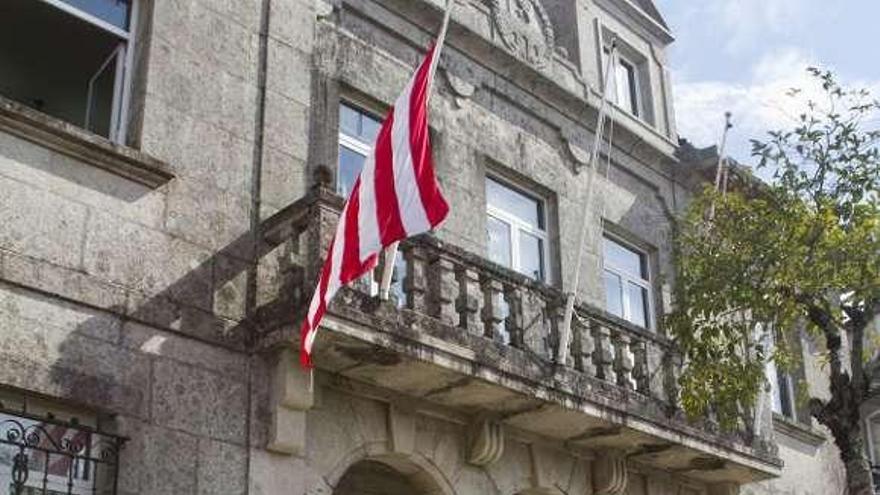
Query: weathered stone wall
(130,299)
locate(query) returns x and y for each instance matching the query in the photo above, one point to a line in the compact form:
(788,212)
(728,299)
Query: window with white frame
(516,228)
(782,387)
(357,134)
(625,84)
(70,59)
(627,283)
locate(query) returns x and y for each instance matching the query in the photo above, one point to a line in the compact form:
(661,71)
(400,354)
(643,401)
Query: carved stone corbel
(486,442)
(461,89)
(291,396)
(578,155)
(401,430)
(610,474)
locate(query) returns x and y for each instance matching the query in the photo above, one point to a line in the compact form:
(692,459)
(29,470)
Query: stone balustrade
(466,292)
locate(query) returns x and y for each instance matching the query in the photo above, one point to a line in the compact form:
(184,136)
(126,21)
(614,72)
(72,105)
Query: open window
(70,59)
(630,87)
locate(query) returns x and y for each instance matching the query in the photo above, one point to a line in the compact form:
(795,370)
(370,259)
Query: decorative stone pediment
(524,29)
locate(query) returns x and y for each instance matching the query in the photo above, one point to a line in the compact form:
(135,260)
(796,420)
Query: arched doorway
(392,474)
(375,478)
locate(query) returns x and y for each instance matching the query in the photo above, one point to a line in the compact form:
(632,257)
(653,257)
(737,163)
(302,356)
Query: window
(357,134)
(624,79)
(69,59)
(626,86)
(516,230)
(47,448)
(627,283)
(782,386)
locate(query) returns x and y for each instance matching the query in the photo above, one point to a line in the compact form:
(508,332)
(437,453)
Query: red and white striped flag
(396,196)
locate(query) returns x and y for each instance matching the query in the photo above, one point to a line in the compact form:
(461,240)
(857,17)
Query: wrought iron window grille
(45,456)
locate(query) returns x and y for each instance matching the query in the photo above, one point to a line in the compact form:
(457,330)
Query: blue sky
(742,56)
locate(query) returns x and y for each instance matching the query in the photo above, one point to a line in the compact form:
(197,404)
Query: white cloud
(758,105)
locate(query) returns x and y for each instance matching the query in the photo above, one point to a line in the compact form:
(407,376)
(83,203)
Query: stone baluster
(513,295)
(493,309)
(556,317)
(672,364)
(641,373)
(603,354)
(416,283)
(442,290)
(623,359)
(586,347)
(470,300)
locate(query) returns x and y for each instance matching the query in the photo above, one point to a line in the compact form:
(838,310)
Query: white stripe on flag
(409,200)
(368,227)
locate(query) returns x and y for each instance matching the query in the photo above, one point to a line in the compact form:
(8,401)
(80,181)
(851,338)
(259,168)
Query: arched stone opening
(386,475)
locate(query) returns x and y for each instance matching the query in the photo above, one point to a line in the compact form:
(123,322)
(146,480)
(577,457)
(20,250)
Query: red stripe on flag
(309,326)
(387,212)
(433,201)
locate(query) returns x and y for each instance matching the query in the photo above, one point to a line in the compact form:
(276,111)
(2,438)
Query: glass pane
(350,165)
(499,241)
(624,76)
(514,203)
(613,294)
(349,120)
(531,256)
(624,259)
(638,305)
(358,124)
(369,129)
(113,12)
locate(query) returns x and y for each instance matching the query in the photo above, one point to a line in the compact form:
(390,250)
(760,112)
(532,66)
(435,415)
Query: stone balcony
(473,337)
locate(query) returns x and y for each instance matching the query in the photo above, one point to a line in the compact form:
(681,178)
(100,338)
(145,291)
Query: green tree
(800,252)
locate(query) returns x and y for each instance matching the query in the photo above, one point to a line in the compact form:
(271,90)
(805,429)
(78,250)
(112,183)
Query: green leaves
(773,252)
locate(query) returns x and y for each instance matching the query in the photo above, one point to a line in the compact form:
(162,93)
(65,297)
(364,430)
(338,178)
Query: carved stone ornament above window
(524,29)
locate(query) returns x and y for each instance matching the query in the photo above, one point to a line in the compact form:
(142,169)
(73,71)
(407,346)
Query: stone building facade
(170,175)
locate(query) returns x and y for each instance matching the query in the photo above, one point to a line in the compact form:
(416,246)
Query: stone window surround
(44,130)
(798,431)
(638,61)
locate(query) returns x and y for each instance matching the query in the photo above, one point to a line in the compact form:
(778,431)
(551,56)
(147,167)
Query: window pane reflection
(623,259)
(113,12)
(350,165)
(499,241)
(613,294)
(638,305)
(527,209)
(531,256)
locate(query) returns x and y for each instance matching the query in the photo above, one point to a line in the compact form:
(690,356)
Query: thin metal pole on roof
(391,251)
(565,331)
(720,171)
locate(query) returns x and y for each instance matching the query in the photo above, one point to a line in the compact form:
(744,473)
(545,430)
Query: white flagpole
(565,331)
(719,170)
(391,251)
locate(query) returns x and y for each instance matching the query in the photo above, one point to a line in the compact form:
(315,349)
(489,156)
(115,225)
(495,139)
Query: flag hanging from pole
(396,196)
